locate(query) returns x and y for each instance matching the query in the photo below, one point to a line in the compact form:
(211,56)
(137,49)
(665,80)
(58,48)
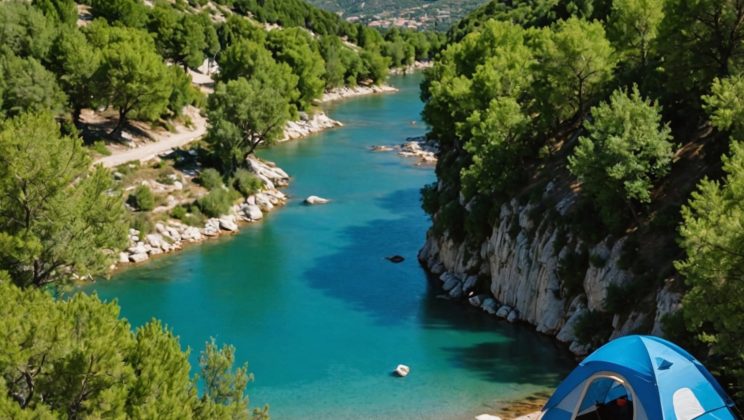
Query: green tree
(133,77)
(76,62)
(296,48)
(496,146)
(724,104)
(635,26)
(25,30)
(224,385)
(576,60)
(243,115)
(58,218)
(130,13)
(626,149)
(250,60)
(26,86)
(712,237)
(63,11)
(76,358)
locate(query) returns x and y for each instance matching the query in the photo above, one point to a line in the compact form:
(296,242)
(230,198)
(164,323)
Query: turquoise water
(309,301)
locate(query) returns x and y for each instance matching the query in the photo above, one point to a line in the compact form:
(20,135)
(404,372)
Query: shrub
(593,328)
(142,223)
(142,198)
(179,212)
(572,270)
(246,182)
(430,199)
(210,179)
(100,148)
(217,202)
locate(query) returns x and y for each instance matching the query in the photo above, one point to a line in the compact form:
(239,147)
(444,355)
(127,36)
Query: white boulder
(402,370)
(137,258)
(228,223)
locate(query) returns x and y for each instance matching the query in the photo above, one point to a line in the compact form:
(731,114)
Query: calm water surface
(309,301)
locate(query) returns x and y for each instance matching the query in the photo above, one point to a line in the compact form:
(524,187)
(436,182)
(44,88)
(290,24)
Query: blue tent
(639,377)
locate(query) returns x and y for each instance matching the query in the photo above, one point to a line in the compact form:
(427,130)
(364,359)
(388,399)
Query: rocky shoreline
(172,235)
(416,66)
(350,92)
(307,125)
(419,148)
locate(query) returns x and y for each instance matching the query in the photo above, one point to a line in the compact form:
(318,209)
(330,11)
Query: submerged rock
(395,259)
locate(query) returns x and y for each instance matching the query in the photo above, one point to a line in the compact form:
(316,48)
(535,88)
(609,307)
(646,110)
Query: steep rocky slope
(523,271)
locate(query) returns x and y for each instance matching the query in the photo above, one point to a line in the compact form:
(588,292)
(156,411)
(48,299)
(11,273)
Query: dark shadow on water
(391,294)
(359,274)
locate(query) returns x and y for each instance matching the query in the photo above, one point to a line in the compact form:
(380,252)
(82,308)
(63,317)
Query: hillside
(425,14)
(589,176)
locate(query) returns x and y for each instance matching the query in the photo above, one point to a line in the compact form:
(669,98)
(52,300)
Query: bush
(572,270)
(142,223)
(217,202)
(246,182)
(100,148)
(210,179)
(142,198)
(179,212)
(430,199)
(593,328)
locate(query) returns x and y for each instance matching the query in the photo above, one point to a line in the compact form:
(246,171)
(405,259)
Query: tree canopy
(58,218)
(625,150)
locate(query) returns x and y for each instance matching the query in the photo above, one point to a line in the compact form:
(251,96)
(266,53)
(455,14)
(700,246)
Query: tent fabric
(662,376)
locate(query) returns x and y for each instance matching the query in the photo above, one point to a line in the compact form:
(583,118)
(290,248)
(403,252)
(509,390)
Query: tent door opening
(606,397)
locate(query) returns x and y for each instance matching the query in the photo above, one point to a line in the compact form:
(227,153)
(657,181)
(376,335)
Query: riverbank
(310,302)
(351,92)
(171,235)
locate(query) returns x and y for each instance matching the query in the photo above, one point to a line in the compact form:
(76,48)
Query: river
(310,302)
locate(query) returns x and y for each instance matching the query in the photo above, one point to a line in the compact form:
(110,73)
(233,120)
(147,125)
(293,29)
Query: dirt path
(163,143)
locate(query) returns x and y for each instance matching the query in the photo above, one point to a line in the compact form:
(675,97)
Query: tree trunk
(121,124)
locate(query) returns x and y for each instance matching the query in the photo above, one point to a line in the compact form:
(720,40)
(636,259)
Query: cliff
(533,268)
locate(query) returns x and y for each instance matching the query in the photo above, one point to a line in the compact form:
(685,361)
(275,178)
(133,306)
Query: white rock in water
(513,316)
(487,417)
(402,370)
(123,257)
(136,258)
(314,199)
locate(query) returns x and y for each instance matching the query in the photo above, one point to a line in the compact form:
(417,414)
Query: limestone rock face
(523,257)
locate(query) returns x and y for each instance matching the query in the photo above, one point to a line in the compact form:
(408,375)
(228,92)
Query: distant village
(421,17)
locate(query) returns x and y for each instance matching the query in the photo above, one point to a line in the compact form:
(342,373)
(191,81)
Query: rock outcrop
(308,124)
(524,259)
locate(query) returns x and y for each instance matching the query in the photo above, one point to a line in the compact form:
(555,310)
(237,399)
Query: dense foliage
(62,221)
(76,358)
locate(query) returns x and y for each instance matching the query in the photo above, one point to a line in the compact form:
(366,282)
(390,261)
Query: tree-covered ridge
(129,63)
(629,102)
